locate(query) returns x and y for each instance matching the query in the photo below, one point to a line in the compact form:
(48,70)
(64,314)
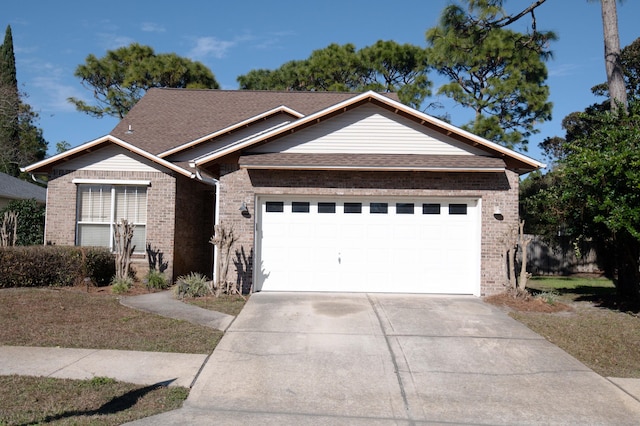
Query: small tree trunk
(223,240)
(123,234)
(9,229)
(524,244)
(512,267)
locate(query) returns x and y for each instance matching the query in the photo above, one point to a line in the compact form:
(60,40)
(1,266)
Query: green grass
(98,401)
(573,287)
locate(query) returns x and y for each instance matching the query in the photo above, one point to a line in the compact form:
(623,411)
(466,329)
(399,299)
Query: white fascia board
(117,141)
(62,155)
(231,128)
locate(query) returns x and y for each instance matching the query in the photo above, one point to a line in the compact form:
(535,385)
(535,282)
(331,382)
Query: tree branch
(511,19)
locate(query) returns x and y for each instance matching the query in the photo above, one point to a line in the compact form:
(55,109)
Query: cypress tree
(10,108)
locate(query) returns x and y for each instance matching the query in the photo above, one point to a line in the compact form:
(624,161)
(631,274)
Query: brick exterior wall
(494,189)
(193,227)
(161,204)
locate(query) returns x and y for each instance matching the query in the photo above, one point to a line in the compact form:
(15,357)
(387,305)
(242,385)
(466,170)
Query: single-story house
(12,189)
(323,191)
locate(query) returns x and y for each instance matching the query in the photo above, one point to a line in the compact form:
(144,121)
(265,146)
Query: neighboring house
(323,191)
(12,188)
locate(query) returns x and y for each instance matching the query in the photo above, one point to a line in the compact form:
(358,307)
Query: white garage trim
(368,244)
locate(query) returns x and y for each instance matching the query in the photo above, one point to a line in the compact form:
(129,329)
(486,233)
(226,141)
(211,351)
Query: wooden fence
(563,259)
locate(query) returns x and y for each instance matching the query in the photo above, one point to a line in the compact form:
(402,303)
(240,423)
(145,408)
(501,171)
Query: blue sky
(233,37)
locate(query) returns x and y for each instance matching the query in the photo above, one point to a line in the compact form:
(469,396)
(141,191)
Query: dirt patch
(525,302)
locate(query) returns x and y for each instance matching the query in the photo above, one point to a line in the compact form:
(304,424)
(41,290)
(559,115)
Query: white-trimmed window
(100,207)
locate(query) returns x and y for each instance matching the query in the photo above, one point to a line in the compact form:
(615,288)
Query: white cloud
(210,46)
(152,27)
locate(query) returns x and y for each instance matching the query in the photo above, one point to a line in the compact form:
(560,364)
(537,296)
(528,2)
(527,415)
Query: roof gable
(368,129)
(515,161)
(65,159)
(168,119)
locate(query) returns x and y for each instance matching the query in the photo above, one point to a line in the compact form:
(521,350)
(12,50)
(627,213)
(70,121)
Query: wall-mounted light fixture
(497,213)
(243,208)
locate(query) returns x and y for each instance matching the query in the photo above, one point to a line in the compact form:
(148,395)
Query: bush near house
(54,266)
(30,221)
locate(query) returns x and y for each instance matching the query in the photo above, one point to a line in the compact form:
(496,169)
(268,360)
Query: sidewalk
(144,368)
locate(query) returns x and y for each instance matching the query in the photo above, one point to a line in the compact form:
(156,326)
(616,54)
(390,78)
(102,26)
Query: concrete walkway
(163,303)
(143,368)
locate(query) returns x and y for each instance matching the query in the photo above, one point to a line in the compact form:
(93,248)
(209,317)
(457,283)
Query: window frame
(112,188)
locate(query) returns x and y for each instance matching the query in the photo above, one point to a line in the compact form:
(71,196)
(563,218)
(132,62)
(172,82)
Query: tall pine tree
(9,108)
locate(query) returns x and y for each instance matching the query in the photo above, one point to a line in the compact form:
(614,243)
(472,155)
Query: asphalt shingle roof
(370,161)
(17,189)
(167,118)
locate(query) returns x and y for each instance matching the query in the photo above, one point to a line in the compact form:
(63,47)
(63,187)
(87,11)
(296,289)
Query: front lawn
(77,318)
(598,329)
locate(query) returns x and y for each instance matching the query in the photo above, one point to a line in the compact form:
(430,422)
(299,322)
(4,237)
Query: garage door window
(353,208)
(326,207)
(274,207)
(431,208)
(404,208)
(299,207)
(457,209)
(378,208)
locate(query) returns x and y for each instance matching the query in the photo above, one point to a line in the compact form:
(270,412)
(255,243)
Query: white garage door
(368,245)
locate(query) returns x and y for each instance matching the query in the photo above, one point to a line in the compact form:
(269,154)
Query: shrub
(54,266)
(121,285)
(30,221)
(192,285)
(156,280)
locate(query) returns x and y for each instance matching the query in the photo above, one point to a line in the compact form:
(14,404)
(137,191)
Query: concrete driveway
(392,359)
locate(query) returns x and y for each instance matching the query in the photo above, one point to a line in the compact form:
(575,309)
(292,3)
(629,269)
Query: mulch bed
(525,302)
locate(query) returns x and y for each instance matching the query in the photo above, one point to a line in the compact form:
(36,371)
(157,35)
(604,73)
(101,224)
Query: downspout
(216,214)
(45,184)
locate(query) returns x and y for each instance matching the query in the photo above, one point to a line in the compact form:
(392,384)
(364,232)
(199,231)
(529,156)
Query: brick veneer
(60,225)
(494,189)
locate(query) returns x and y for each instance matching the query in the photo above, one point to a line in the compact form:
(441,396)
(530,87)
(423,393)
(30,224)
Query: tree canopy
(385,66)
(120,78)
(496,72)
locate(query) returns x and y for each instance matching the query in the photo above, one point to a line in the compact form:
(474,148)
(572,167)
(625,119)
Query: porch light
(243,208)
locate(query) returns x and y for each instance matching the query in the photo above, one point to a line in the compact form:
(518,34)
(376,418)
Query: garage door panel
(410,248)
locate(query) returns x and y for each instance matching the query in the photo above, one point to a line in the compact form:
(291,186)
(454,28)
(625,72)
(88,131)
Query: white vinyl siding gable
(372,130)
(112,158)
(221,142)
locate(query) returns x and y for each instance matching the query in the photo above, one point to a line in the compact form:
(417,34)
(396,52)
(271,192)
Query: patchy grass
(92,318)
(227,304)
(597,328)
(75,318)
(98,401)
